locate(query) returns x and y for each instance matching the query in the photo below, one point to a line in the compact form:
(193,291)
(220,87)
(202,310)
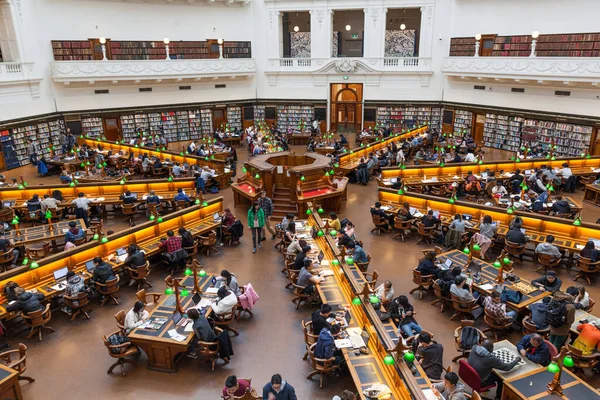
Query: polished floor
(72,362)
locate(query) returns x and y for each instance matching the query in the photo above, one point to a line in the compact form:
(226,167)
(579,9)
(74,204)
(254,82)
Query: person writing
(307,279)
(172,244)
(26,302)
(427,265)
(450,389)
(535,349)
(431,356)
(227,300)
(334,221)
(135,317)
(278,389)
(325,347)
(102,271)
(358,254)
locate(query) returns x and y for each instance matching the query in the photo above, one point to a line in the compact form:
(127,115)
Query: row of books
(45,134)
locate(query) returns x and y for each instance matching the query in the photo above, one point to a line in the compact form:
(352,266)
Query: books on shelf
(502,132)
(128,128)
(462,122)
(409,117)
(154,124)
(72,50)
(234,118)
(92,127)
(207,128)
(259,114)
(296,118)
(183,125)
(569,139)
(195,124)
(169,125)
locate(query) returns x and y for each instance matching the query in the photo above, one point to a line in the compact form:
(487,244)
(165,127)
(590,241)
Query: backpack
(469,337)
(214,190)
(556,313)
(512,296)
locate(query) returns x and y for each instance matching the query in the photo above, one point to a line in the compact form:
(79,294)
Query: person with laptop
(7,245)
(325,347)
(75,286)
(74,233)
(560,206)
(515,235)
(499,190)
(135,257)
(135,317)
(319,319)
(427,265)
(358,254)
(128,197)
(202,330)
(102,271)
(49,203)
(26,302)
(487,232)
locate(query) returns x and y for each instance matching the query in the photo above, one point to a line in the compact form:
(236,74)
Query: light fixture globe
(166,40)
(296,28)
(535,34)
(348,27)
(402,26)
(478,36)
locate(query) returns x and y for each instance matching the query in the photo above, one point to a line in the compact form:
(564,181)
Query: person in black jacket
(429,220)
(431,356)
(187,240)
(427,265)
(319,319)
(548,283)
(400,309)
(343,238)
(299,261)
(589,251)
(561,206)
(26,302)
(483,361)
(446,279)
(382,215)
(102,272)
(514,235)
(135,257)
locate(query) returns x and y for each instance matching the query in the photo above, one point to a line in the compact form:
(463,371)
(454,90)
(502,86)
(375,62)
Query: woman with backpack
(560,314)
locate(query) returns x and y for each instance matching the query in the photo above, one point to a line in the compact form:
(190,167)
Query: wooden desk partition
(198,219)
(350,159)
(568,236)
(370,368)
(580,166)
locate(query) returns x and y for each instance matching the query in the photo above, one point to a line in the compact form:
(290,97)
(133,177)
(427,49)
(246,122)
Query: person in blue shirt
(535,349)
(358,254)
(325,347)
(178,170)
(74,233)
(180,196)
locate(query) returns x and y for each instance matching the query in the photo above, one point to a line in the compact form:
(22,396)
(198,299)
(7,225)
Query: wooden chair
(80,241)
(426,234)
(192,251)
(364,266)
(32,217)
(464,353)
(181,204)
(547,261)
(37,321)
(440,298)
(158,171)
(7,214)
(309,337)
(209,351)
(495,325)
(57,214)
(249,395)
(381,224)
(120,352)
(78,304)
(224,321)
(462,307)
(240,308)
(6,259)
(551,348)
(586,268)
(209,242)
(36,253)
(402,227)
(17,360)
(108,290)
(140,275)
(320,366)
(529,328)
(228,237)
(143,297)
(120,317)
(371,279)
(469,375)
(129,211)
(514,250)
(583,362)
(423,282)
(299,295)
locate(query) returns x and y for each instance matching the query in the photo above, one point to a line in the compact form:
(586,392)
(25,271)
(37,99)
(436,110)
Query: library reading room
(299,200)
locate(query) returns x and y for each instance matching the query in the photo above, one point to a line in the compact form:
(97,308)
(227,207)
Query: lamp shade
(553,367)
(478,36)
(409,356)
(356,301)
(535,34)
(568,362)
(497,264)
(476,247)
(166,40)
(466,250)
(102,40)
(202,272)
(335,262)
(388,360)
(169,290)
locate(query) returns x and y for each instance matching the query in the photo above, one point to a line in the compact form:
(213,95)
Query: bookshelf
(570,139)
(187,50)
(169,124)
(237,50)
(392,117)
(207,128)
(569,45)
(183,125)
(403,117)
(234,118)
(92,127)
(259,114)
(20,136)
(195,118)
(502,132)
(462,122)
(11,158)
(291,117)
(512,46)
(462,47)
(154,123)
(72,50)
(128,127)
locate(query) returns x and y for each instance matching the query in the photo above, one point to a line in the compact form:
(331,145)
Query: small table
(9,384)
(515,372)
(592,194)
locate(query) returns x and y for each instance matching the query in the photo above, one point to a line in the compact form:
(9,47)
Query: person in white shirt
(499,189)
(470,157)
(227,300)
(385,292)
(82,202)
(193,146)
(135,317)
(207,173)
(565,171)
(400,158)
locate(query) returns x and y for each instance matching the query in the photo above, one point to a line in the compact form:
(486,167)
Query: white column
(426,31)
(374,31)
(274,36)
(320,31)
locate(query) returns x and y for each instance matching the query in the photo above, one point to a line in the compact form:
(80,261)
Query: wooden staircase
(283,204)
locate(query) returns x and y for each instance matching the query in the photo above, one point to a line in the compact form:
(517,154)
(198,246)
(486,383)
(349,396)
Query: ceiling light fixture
(296,28)
(348,27)
(402,25)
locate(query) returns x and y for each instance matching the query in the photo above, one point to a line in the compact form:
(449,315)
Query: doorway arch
(346,107)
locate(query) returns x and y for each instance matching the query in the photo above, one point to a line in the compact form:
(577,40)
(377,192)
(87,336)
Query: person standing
(256,222)
(32,151)
(266,204)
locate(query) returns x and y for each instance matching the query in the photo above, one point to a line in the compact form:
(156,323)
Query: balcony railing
(15,72)
(158,70)
(367,65)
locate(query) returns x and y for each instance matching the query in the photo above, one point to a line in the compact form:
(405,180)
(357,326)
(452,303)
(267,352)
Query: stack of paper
(176,336)
(343,343)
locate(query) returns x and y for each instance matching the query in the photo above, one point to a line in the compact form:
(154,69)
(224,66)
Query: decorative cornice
(183,2)
(86,71)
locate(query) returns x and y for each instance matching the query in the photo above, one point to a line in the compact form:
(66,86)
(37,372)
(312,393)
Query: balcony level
(17,77)
(158,71)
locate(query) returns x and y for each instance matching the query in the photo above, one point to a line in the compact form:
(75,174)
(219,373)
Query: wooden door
(112,129)
(219,118)
(487,45)
(595,142)
(478,124)
(97,49)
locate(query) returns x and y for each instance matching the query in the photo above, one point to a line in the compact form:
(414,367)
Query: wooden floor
(72,362)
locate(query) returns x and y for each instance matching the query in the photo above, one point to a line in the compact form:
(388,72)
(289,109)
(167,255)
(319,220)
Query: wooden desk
(9,384)
(162,351)
(532,386)
(300,139)
(580,315)
(489,274)
(232,140)
(504,202)
(91,178)
(567,236)
(515,372)
(69,164)
(39,233)
(197,219)
(592,194)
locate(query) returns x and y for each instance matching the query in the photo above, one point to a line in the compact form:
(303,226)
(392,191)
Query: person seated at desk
(548,283)
(538,183)
(465,294)
(334,221)
(470,157)
(307,279)
(458,224)
(135,317)
(429,220)
(401,310)
(102,271)
(517,204)
(135,257)
(207,174)
(472,185)
(49,203)
(404,212)
(385,292)
(582,297)
(446,279)
(538,313)
(487,232)
(499,190)
(565,172)
(290,233)
(228,218)
(538,205)
(493,304)
(26,302)
(589,337)
(226,302)
(178,170)
(319,319)
(202,331)
(181,196)
(343,240)
(34,204)
(172,244)
(561,206)
(450,389)
(153,199)
(325,347)
(456,158)
(515,235)
(82,205)
(548,248)
(427,265)
(145,162)
(7,245)
(484,361)
(127,198)
(296,246)
(589,251)
(278,389)
(358,254)
(74,233)
(299,260)
(187,240)
(534,349)
(229,280)
(235,387)
(430,355)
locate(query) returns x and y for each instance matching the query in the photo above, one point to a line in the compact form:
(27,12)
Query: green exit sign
(355,36)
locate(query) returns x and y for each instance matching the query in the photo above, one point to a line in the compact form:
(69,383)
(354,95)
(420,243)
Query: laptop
(121,251)
(448,263)
(412,210)
(177,317)
(60,274)
(484,175)
(523,230)
(196,298)
(320,256)
(8,203)
(436,214)
(132,194)
(527,172)
(90,265)
(216,216)
(467,217)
